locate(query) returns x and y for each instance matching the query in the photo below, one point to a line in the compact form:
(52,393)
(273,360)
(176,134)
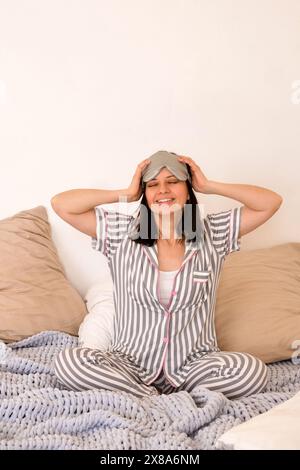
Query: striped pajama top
(149,334)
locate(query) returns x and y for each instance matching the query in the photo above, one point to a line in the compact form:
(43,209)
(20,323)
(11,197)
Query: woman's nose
(163,187)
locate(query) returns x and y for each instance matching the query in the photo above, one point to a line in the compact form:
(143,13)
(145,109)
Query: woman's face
(166,186)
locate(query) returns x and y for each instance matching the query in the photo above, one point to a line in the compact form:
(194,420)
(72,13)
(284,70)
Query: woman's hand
(135,187)
(199,180)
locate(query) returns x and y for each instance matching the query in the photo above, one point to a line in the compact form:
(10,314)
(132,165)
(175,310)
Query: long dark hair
(190,223)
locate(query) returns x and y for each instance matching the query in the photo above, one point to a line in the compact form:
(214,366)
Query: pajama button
(174,292)
(165,340)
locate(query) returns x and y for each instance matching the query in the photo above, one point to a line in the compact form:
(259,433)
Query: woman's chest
(139,277)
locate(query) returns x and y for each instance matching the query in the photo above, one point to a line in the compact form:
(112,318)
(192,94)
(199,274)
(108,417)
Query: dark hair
(190,220)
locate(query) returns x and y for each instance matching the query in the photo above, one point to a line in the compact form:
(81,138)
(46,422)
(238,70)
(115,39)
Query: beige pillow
(258,302)
(35,294)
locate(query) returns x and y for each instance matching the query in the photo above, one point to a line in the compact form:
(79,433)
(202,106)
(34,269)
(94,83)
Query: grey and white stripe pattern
(173,340)
(146,332)
(82,368)
(231,373)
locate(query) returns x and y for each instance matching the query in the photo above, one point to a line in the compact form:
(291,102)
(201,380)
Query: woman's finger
(189,161)
(144,162)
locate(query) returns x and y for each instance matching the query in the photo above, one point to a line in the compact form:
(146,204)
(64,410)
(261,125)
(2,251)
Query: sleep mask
(165,159)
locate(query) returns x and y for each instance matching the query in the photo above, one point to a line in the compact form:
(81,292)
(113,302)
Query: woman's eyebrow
(170,176)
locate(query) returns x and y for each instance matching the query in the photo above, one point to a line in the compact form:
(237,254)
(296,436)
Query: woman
(165,264)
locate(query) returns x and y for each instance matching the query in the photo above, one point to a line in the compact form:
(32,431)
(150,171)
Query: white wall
(90,88)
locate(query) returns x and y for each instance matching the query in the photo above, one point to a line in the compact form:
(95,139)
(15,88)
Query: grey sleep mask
(165,159)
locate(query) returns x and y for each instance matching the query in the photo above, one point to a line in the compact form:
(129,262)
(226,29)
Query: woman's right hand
(135,188)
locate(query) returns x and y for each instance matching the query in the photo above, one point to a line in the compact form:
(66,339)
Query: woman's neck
(166,225)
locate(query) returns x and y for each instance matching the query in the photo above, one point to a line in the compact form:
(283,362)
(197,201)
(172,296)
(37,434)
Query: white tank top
(166,279)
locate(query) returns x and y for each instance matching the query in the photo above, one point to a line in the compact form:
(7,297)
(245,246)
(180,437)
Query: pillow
(35,294)
(276,429)
(258,302)
(97,327)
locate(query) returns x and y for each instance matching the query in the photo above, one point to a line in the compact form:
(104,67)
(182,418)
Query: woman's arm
(78,201)
(260,204)
(254,197)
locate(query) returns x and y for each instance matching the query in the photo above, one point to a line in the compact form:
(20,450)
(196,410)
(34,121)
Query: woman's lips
(166,203)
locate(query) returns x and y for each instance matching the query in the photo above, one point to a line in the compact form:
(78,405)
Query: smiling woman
(164,336)
(166,197)
(169,208)
(179,219)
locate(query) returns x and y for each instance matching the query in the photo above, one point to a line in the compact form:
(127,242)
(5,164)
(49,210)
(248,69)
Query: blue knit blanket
(36,412)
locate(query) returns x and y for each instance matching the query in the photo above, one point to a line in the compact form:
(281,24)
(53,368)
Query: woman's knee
(254,377)
(262,376)
(65,364)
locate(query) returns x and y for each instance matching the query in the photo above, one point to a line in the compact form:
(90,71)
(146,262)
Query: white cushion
(276,429)
(97,327)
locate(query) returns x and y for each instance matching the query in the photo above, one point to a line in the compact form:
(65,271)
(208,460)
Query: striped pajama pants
(234,374)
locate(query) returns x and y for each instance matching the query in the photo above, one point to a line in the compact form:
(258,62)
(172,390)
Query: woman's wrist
(209,187)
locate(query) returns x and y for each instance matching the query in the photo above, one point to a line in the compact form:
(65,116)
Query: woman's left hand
(199,180)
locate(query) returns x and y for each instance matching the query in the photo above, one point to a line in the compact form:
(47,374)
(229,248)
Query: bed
(257,311)
(36,412)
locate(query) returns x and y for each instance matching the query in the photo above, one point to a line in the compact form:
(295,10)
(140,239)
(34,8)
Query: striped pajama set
(158,348)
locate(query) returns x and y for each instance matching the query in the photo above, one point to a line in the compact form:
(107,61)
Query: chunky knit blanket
(36,412)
